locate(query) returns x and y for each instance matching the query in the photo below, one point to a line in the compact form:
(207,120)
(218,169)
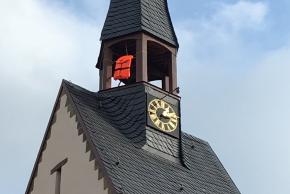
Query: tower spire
(130,16)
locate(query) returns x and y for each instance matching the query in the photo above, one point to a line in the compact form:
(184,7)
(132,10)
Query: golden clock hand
(172,115)
(166,111)
(165,114)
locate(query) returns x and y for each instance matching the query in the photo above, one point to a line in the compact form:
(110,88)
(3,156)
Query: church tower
(139,41)
(127,139)
(143,29)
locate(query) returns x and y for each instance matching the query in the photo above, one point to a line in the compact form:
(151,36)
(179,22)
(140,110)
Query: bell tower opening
(136,58)
(119,51)
(159,60)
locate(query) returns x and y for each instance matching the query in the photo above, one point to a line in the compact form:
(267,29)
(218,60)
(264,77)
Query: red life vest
(123,67)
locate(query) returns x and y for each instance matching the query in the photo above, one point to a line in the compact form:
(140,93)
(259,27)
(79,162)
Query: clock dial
(163,115)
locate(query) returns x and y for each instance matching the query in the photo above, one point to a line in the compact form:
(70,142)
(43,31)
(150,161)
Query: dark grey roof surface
(130,16)
(134,170)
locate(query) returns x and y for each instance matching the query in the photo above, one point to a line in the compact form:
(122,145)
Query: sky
(233,71)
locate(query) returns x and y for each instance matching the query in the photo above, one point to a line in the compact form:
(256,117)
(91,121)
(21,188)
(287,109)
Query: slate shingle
(130,16)
(139,171)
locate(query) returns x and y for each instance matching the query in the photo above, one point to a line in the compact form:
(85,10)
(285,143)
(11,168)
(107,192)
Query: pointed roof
(129,168)
(130,16)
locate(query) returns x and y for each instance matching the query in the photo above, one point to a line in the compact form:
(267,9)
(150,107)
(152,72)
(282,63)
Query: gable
(63,142)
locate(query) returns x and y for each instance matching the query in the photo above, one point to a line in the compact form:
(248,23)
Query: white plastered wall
(78,174)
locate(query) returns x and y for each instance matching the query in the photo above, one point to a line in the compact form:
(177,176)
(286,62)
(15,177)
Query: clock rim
(170,106)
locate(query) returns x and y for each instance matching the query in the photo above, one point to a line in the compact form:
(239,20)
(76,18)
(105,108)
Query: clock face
(163,115)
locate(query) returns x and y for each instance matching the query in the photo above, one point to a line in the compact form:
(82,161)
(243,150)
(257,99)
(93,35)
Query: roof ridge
(226,176)
(71,84)
(194,138)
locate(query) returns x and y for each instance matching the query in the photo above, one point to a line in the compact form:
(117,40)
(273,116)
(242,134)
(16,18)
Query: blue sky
(233,70)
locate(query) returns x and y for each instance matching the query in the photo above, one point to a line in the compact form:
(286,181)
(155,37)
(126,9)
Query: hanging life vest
(123,67)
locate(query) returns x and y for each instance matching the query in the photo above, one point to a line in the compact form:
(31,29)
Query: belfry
(127,139)
(141,28)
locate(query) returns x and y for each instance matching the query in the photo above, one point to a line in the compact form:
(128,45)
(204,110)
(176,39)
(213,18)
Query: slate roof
(130,16)
(133,170)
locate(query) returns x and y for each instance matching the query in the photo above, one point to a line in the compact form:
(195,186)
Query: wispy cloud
(241,15)
(40,44)
(237,94)
(38,38)
(219,37)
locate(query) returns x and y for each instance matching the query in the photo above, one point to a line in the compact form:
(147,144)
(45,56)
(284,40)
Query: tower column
(107,70)
(165,84)
(141,58)
(173,73)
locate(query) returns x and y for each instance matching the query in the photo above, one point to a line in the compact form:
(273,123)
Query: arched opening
(158,61)
(122,48)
